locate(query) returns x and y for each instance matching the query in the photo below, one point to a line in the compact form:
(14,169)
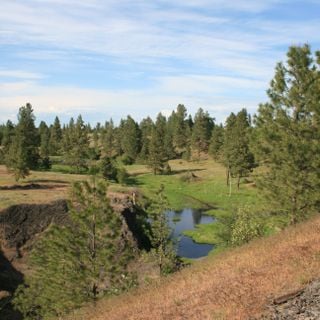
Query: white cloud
(197,52)
(193,90)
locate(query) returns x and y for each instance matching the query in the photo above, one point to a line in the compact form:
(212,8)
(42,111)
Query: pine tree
(109,138)
(76,144)
(146,126)
(201,131)
(8,134)
(55,137)
(160,234)
(130,139)
(287,134)
(216,143)
(180,137)
(158,157)
(23,152)
(44,133)
(237,156)
(78,262)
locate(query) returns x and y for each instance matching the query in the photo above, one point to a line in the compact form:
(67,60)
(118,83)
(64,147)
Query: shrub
(122,176)
(108,168)
(245,227)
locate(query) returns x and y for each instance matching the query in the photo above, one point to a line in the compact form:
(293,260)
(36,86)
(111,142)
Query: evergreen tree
(160,234)
(146,126)
(109,138)
(108,168)
(216,143)
(76,144)
(55,137)
(130,139)
(23,152)
(238,158)
(8,134)
(287,134)
(201,131)
(44,133)
(180,132)
(158,158)
(78,262)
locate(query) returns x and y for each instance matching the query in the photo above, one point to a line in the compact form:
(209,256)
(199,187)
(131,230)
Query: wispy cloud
(218,54)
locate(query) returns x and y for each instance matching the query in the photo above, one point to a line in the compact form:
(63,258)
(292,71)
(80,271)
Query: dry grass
(236,284)
(53,186)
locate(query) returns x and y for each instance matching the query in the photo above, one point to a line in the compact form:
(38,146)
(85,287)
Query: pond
(187,219)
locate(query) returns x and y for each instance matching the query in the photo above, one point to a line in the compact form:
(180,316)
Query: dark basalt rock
(20,223)
(304,305)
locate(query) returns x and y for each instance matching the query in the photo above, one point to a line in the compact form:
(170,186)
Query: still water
(187,219)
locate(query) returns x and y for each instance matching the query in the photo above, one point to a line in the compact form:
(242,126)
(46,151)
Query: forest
(276,150)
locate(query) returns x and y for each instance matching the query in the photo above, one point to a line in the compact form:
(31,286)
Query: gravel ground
(305,306)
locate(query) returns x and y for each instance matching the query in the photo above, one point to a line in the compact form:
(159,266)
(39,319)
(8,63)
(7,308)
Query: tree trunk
(230,183)
(238,182)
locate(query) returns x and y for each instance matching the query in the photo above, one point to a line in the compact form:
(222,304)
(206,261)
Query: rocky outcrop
(300,305)
(21,226)
(21,223)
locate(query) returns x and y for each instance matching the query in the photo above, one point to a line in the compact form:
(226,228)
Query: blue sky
(116,57)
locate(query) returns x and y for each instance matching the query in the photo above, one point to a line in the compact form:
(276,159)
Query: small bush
(126,160)
(246,226)
(122,176)
(167,169)
(45,163)
(108,168)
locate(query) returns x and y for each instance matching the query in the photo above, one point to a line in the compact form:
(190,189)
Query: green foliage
(22,152)
(237,156)
(78,262)
(160,235)
(216,143)
(146,126)
(245,226)
(76,144)
(158,156)
(201,133)
(287,134)
(55,142)
(108,168)
(108,139)
(122,175)
(126,160)
(130,138)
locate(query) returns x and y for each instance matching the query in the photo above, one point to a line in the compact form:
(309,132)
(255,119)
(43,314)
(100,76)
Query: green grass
(206,191)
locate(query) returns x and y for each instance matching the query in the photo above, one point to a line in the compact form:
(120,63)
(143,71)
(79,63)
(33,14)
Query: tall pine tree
(23,153)
(287,135)
(78,262)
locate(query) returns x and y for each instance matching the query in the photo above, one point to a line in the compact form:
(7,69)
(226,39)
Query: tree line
(26,147)
(282,138)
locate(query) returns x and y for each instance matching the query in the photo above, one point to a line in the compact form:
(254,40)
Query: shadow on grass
(49,181)
(186,171)
(31,186)
(132,181)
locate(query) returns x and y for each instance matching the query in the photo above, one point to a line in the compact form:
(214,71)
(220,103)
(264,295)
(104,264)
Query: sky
(113,58)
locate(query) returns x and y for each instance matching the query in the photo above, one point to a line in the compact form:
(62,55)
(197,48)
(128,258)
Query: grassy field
(206,190)
(191,185)
(39,187)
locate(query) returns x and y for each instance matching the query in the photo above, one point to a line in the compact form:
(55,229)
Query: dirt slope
(238,284)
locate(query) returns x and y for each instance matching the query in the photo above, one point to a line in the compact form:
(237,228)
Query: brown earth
(237,284)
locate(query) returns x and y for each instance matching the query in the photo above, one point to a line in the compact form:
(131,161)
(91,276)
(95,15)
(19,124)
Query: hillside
(237,284)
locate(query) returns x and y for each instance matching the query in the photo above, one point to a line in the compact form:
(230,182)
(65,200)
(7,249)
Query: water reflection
(187,219)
